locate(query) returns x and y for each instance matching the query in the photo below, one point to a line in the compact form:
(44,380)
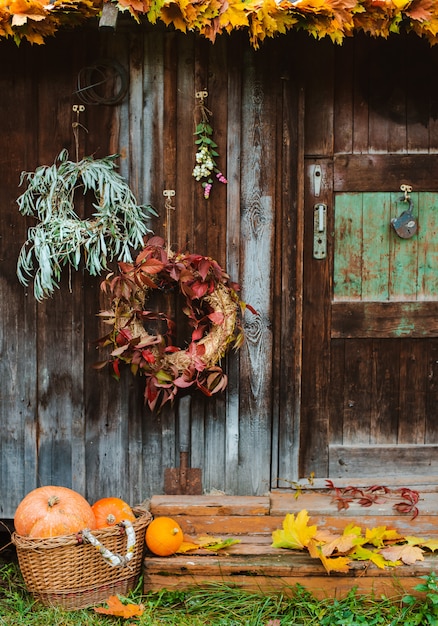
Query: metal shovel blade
(183,480)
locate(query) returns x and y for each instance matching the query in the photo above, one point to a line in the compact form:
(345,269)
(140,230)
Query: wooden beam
(385,172)
(396,458)
(384,319)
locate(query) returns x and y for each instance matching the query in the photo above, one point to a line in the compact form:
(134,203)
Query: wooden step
(255,565)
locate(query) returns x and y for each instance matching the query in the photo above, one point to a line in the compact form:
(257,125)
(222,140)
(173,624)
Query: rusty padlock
(406,225)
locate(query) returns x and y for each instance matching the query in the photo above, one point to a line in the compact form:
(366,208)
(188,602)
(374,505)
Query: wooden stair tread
(424,525)
(281,563)
(211,505)
(324,504)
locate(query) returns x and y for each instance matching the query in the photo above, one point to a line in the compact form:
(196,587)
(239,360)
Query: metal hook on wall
(407,189)
(168,193)
(78,109)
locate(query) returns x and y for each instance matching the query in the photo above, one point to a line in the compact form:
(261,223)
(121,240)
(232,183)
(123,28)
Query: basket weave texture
(64,572)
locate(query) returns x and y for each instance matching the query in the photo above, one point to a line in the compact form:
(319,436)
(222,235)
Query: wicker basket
(62,571)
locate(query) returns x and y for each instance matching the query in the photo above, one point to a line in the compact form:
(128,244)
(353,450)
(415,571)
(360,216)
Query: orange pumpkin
(111,511)
(53,511)
(164,536)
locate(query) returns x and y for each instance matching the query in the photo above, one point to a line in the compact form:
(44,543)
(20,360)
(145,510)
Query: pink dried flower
(221,178)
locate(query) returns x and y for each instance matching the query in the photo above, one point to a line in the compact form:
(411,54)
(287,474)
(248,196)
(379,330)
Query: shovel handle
(184,423)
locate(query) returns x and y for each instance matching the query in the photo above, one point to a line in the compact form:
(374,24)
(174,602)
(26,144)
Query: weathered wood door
(370,304)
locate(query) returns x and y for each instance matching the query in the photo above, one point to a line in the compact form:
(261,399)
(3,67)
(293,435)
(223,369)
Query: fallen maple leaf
(118,609)
(364,554)
(331,564)
(296,533)
(431,545)
(208,543)
(221,544)
(405,553)
(186,546)
(380,534)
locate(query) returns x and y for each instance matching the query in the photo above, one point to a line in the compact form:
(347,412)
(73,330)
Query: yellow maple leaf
(296,533)
(331,564)
(22,10)
(186,546)
(431,544)
(414,541)
(234,16)
(364,554)
(208,543)
(173,13)
(380,534)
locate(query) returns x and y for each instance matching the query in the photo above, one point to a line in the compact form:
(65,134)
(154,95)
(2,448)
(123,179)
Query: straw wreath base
(59,571)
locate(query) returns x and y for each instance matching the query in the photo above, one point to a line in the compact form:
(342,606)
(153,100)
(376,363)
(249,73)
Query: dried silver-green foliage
(116,227)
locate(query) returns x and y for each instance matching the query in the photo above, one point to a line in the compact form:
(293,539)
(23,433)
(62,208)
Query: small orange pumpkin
(53,511)
(164,536)
(111,511)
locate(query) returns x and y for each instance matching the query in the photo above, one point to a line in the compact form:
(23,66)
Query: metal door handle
(320,231)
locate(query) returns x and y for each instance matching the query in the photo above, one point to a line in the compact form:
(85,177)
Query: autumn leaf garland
(35,20)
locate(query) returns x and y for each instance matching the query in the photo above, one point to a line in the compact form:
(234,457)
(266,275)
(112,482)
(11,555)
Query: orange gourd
(111,511)
(53,511)
(164,536)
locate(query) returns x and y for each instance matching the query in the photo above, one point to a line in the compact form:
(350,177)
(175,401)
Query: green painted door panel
(371,262)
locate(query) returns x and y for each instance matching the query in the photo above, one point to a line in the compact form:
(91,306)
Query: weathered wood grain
(254,564)
(371,172)
(18,333)
(384,319)
(316,332)
(258,204)
(397,459)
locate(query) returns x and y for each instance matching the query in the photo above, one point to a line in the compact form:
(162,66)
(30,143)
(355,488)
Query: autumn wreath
(211,304)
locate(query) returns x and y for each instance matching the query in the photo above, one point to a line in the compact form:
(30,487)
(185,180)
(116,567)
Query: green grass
(225,605)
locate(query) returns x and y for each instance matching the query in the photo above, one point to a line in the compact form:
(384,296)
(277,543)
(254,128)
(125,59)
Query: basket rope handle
(116,560)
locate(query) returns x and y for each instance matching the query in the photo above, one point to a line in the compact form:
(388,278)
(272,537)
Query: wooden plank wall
(61,421)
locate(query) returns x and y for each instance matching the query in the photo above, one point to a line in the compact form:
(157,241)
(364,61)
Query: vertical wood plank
(316,334)
(319,98)
(257,219)
(427,213)
(357,398)
(60,372)
(289,270)
(233,239)
(413,388)
(19,360)
(337,377)
(431,434)
(360,84)
(317,276)
(403,278)
(375,278)
(210,232)
(385,390)
(344,121)
(348,247)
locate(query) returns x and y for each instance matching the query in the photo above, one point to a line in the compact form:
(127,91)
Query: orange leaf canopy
(35,19)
